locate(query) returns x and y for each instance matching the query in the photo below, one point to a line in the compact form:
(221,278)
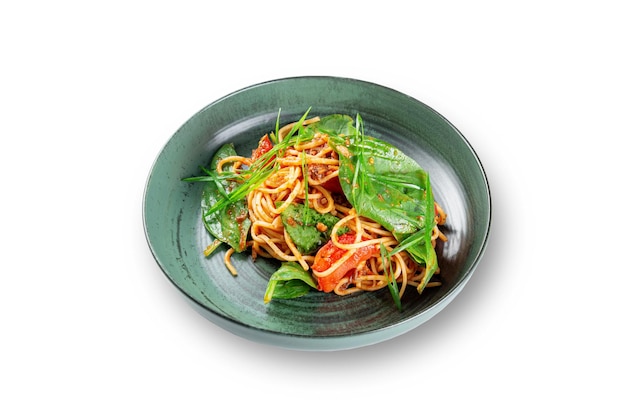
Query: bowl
(317,321)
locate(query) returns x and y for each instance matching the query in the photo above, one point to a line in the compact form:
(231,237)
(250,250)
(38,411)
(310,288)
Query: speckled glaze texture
(318,321)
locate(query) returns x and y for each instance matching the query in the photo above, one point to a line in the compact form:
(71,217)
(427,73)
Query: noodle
(299,181)
(227,262)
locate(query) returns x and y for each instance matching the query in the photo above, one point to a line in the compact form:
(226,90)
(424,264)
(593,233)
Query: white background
(91,91)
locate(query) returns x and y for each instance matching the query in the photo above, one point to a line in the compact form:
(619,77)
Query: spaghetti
(307,174)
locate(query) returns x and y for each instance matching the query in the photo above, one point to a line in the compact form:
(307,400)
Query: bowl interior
(177,237)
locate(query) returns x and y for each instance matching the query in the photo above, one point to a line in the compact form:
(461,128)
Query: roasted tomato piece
(329,254)
(265,145)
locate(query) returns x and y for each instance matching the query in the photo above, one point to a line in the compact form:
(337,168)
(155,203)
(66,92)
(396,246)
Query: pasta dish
(343,212)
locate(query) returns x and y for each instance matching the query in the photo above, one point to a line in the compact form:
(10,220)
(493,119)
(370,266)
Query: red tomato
(265,144)
(329,254)
(333,185)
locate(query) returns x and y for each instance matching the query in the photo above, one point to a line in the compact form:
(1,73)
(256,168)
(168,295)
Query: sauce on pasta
(306,173)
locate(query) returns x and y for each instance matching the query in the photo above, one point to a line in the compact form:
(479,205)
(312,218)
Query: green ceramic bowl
(318,321)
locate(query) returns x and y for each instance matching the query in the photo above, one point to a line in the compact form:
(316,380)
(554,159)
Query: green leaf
(261,169)
(301,225)
(392,284)
(289,281)
(431,256)
(230,224)
(335,125)
(387,186)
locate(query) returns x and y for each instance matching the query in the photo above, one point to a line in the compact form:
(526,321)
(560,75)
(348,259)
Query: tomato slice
(329,254)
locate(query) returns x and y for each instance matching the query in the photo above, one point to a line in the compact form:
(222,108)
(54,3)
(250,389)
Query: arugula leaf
(289,281)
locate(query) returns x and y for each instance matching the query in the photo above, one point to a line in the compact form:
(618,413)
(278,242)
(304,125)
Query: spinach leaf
(307,228)
(333,125)
(229,224)
(260,169)
(387,186)
(289,281)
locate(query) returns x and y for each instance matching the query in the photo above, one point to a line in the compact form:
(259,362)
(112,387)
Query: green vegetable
(387,186)
(392,284)
(289,281)
(261,169)
(334,125)
(307,228)
(229,224)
